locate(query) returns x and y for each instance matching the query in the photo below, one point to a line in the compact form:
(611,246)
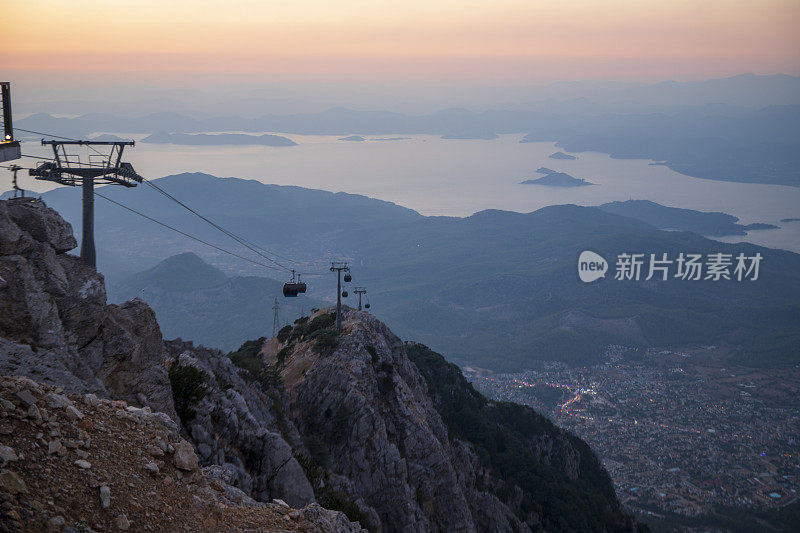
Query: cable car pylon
(360,291)
(18,191)
(339,267)
(67,169)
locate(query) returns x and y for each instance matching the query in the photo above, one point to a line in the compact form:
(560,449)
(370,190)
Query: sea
(458,177)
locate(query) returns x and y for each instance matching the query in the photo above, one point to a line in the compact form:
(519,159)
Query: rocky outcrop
(313,419)
(55,326)
(413,447)
(80,463)
(236,432)
(368,422)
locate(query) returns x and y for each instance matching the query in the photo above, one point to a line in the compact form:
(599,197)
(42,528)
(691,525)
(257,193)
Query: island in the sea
(712,224)
(790,220)
(558,179)
(353,138)
(561,155)
(205,139)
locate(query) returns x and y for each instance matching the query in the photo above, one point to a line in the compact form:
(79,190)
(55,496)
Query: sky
(409,42)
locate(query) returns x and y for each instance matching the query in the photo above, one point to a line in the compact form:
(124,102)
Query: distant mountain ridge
(180,273)
(720,142)
(217,139)
(496,289)
(287,218)
(194,300)
(673,218)
(312,417)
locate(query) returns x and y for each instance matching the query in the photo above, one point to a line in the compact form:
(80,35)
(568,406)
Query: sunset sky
(503,41)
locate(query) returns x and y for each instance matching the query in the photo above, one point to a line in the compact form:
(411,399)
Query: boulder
(184,457)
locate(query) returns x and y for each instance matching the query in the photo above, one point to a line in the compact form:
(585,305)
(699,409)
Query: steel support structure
(339,267)
(360,291)
(68,170)
(276,318)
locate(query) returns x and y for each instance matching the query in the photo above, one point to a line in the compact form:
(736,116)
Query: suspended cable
(184,233)
(230,234)
(271,267)
(47,134)
(247,244)
(58,137)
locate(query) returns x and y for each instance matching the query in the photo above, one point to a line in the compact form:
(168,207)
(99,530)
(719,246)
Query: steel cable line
(230,234)
(247,244)
(60,137)
(158,188)
(184,233)
(168,226)
(47,134)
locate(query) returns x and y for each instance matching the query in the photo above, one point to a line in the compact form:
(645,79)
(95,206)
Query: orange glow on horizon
(358,39)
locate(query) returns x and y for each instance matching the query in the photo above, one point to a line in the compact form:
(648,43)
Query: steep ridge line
(311,417)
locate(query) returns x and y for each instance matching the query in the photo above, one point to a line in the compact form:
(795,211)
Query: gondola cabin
(293,288)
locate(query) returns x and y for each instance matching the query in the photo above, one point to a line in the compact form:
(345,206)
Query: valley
(682,433)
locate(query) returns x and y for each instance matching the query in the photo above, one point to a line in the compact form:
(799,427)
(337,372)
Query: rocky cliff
(55,326)
(389,434)
(399,433)
(56,330)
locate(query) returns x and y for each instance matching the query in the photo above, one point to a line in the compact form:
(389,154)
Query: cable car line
(217,226)
(242,241)
(247,244)
(57,137)
(292,288)
(46,134)
(171,197)
(183,232)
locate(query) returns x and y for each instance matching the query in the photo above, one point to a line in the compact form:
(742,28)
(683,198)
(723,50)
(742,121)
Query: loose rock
(55,524)
(54,446)
(122,522)
(105,496)
(26,398)
(7,454)
(10,482)
(185,458)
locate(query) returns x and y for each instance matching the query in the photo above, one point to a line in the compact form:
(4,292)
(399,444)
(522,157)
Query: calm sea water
(459,177)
